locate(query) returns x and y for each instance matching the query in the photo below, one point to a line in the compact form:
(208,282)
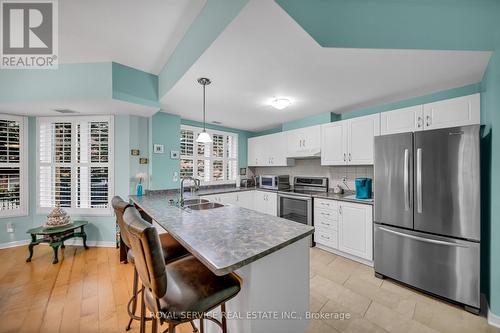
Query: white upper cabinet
(458,111)
(334,143)
(349,141)
(304,142)
(360,139)
(268,150)
(404,120)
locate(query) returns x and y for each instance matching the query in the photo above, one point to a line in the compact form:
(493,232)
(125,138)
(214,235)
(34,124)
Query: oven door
(295,208)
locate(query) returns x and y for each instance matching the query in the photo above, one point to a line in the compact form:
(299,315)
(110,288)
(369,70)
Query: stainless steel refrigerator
(427,211)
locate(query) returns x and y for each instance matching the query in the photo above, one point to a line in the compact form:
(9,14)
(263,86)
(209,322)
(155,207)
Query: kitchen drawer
(325,204)
(324,219)
(326,237)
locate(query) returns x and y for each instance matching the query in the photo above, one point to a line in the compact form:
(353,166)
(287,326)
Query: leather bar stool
(171,250)
(180,290)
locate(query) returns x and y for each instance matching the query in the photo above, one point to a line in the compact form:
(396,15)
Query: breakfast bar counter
(269,253)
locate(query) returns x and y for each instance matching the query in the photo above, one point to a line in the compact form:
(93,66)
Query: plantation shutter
(75,158)
(214,162)
(12,167)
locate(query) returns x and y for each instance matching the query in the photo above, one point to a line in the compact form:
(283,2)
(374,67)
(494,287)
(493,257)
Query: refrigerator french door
(427,211)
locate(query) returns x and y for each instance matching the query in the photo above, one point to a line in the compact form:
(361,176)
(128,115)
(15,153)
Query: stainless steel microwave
(272,182)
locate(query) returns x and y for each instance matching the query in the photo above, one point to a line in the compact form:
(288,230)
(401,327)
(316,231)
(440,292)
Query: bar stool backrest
(119,206)
(148,254)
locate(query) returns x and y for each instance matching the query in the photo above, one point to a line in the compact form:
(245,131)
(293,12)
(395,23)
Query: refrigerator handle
(406,181)
(422,239)
(419,180)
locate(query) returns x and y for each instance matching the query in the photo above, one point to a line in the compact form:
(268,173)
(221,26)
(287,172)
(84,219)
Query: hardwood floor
(86,292)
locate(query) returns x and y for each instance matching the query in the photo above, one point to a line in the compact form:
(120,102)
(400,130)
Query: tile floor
(340,285)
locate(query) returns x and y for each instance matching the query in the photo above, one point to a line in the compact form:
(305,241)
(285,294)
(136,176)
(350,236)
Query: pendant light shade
(204,137)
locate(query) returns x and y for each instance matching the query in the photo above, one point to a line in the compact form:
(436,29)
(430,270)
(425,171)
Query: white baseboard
(72,242)
(493,319)
(14,244)
(79,242)
(346,255)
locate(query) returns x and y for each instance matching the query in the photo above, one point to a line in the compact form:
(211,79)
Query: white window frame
(196,131)
(23,168)
(76,211)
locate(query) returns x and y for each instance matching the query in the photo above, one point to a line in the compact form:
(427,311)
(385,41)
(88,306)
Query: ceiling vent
(65,111)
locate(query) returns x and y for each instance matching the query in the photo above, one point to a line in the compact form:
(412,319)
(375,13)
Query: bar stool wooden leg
(223,318)
(154,325)
(134,295)
(195,329)
(171,328)
(143,312)
(202,325)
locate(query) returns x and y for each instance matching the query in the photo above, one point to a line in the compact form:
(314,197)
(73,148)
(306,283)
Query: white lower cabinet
(266,202)
(356,229)
(344,226)
(261,201)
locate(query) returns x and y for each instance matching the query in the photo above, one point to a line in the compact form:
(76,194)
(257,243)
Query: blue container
(139,190)
(363,188)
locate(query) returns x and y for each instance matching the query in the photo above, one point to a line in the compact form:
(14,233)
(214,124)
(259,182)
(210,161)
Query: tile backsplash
(313,167)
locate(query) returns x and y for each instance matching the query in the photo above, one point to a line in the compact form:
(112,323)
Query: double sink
(200,204)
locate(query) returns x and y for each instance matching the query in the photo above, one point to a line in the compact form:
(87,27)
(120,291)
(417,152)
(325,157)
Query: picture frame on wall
(158,148)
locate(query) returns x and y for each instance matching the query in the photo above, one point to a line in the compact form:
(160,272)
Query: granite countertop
(224,238)
(348,196)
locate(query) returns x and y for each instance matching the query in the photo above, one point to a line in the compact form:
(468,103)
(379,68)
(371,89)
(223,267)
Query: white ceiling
(265,53)
(84,107)
(140,34)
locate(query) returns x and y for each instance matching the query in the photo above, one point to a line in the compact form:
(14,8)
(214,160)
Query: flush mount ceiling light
(204,137)
(280,103)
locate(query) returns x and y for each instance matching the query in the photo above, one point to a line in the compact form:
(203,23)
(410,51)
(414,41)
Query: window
(13,167)
(75,156)
(216,162)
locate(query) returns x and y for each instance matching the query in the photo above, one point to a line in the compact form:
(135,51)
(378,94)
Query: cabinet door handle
(324,223)
(340,210)
(428,118)
(345,157)
(419,122)
(350,157)
(326,214)
(323,236)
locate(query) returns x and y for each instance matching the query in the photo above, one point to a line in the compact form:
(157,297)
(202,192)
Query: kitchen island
(269,253)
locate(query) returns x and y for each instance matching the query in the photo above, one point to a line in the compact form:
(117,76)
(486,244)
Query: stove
(296,204)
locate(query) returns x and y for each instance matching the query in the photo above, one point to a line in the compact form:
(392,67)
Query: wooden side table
(56,237)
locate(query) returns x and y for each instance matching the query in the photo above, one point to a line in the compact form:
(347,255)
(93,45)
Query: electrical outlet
(175,177)
(9,228)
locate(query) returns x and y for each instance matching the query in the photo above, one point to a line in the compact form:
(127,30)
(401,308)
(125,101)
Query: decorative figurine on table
(138,189)
(57,218)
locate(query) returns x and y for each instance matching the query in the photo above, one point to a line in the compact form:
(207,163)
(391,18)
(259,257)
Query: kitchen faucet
(196,188)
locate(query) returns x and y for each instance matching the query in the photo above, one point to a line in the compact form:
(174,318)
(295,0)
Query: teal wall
(490,117)
(135,86)
(242,138)
(318,119)
(91,81)
(101,228)
(212,20)
(165,129)
(408,24)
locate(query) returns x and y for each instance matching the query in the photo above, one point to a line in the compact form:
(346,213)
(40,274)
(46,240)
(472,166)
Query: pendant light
(204,137)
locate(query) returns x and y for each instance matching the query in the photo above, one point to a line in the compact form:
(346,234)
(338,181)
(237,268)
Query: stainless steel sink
(205,206)
(189,202)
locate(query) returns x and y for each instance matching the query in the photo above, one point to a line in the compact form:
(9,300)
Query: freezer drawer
(443,266)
